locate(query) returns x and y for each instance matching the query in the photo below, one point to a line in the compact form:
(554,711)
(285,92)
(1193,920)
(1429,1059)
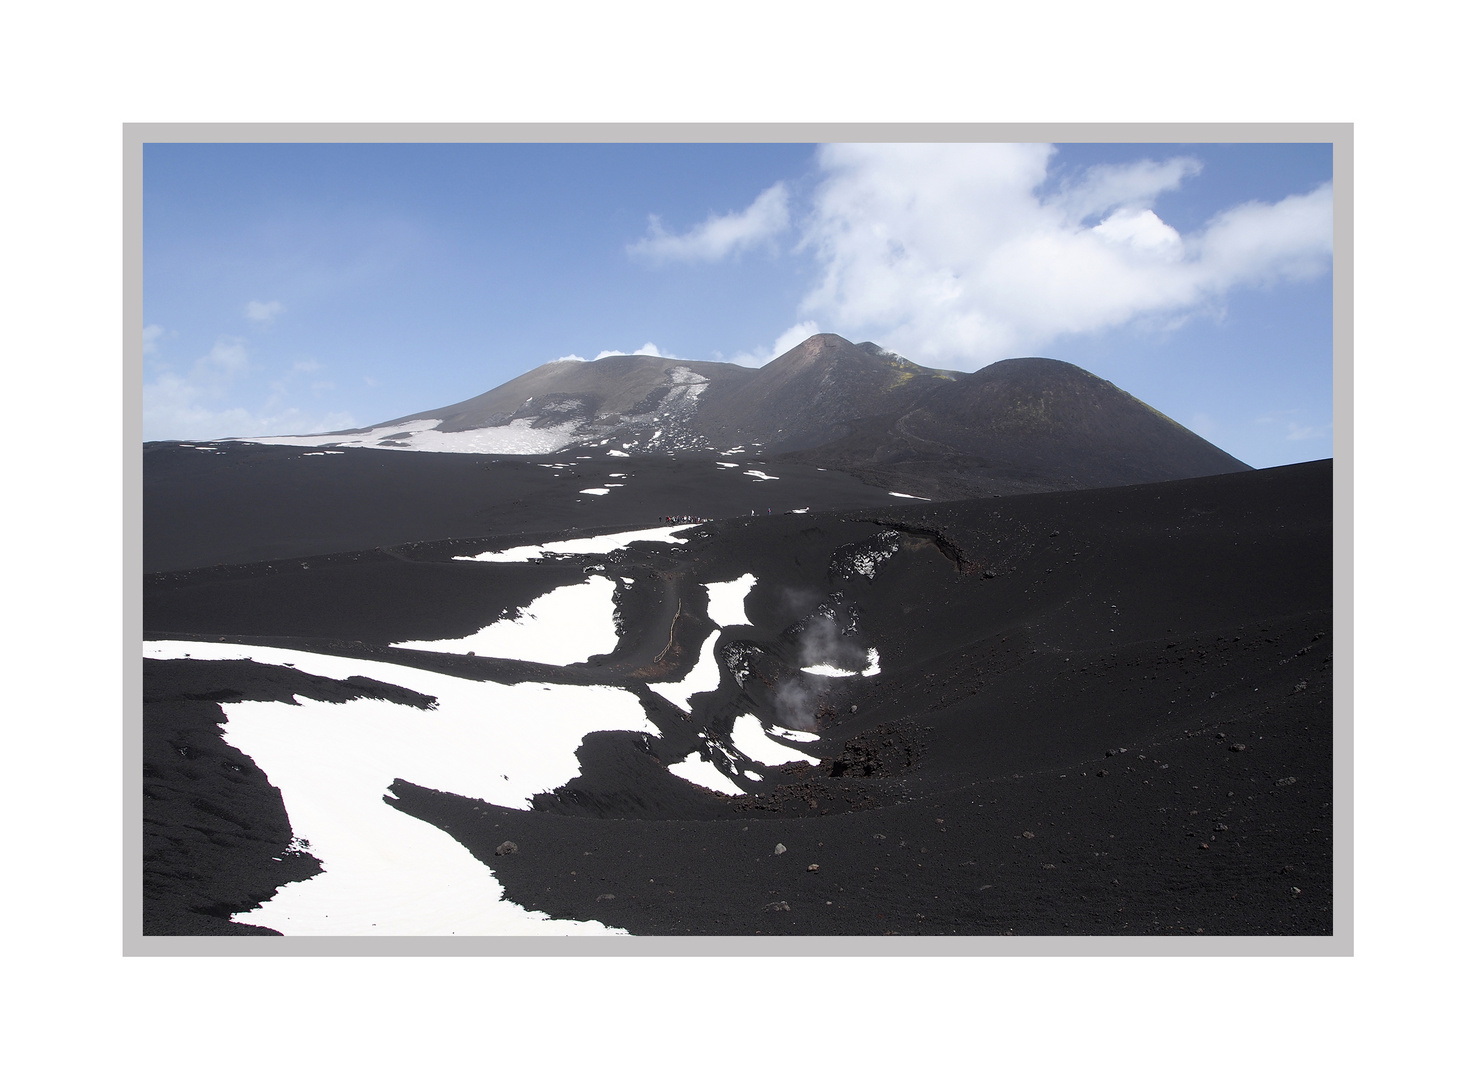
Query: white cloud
(176,408)
(226,359)
(152,334)
(263,313)
(1298,432)
(198,403)
(649,349)
(957,254)
(721,235)
(759,356)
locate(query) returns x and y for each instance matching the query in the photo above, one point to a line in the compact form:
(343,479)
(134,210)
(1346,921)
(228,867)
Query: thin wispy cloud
(197,402)
(264,313)
(720,235)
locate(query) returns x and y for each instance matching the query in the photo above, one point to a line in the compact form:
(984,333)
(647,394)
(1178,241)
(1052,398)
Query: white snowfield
(726,600)
(566,626)
(385,872)
(751,740)
(607,544)
(516,437)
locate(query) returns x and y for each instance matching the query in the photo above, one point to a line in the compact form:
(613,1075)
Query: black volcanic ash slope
(810,395)
(1099,712)
(1029,424)
(244,502)
(1102,711)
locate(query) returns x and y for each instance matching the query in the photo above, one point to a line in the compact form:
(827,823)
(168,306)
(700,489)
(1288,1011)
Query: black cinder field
(1097,711)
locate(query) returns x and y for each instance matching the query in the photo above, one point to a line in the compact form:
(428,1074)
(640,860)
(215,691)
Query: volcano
(839,646)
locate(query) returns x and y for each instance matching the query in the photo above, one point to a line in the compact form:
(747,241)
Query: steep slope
(811,394)
(1027,424)
(599,390)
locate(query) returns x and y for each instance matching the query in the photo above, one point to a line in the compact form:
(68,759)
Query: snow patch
(606,544)
(385,872)
(873,668)
(900,495)
(704,676)
(757,475)
(726,600)
(567,626)
(751,740)
(704,774)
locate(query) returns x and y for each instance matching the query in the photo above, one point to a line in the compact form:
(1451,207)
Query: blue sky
(295,288)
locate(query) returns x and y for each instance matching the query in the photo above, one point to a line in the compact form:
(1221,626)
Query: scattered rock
(1204,847)
(1219,734)
(605,896)
(1102,772)
(1237,747)
(1287,781)
(813,866)
(1299,688)
(1029,835)
(853,708)
(778,905)
(1296,891)
(507,847)
(779,849)
(1221,826)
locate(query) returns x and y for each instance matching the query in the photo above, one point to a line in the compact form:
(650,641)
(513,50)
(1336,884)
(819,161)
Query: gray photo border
(1340,135)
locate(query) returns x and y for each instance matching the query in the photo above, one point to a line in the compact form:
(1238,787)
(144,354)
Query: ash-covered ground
(1086,712)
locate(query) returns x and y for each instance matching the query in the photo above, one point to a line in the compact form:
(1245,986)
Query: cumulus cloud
(759,355)
(263,312)
(960,254)
(152,333)
(721,235)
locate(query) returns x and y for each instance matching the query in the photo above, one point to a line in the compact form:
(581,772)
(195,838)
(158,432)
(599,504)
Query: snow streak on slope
(516,437)
(704,676)
(589,545)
